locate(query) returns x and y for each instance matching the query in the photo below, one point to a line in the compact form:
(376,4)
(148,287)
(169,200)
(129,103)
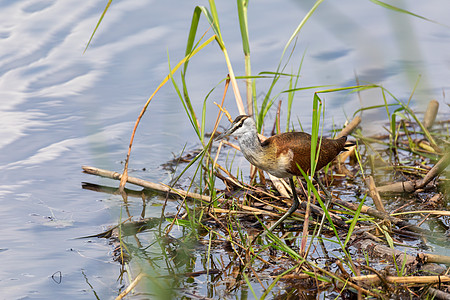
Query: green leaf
(243,24)
(300,26)
(98,24)
(388,237)
(401,10)
(354,221)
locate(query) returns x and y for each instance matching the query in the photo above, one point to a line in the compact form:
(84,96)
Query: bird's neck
(251,146)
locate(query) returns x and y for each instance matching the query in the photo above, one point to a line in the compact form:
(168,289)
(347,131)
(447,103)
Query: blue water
(61,109)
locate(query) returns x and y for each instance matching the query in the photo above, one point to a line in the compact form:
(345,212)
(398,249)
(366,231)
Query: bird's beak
(224,134)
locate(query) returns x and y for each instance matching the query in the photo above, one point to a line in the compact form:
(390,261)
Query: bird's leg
(327,202)
(291,210)
(323,188)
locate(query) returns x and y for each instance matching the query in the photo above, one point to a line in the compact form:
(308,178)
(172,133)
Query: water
(62,109)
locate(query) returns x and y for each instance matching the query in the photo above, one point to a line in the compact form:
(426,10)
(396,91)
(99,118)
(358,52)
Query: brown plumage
(299,143)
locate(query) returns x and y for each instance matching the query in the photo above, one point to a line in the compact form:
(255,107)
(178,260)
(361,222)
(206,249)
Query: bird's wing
(299,143)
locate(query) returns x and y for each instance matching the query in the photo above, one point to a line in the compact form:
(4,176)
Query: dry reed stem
(434,258)
(244,210)
(131,286)
(399,280)
(281,188)
(430,114)
(436,170)
(146,184)
(347,130)
(432,212)
(438,294)
(374,194)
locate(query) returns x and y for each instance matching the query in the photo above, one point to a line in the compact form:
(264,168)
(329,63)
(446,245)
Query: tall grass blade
(374,107)
(354,221)
(215,20)
(187,105)
(292,93)
(192,32)
(267,103)
(315,148)
(98,24)
(243,25)
(401,10)
(272,285)
(300,26)
(249,285)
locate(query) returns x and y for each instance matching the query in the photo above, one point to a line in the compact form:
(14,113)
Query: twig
(436,170)
(350,127)
(146,184)
(374,194)
(438,294)
(131,286)
(380,276)
(244,210)
(412,185)
(434,258)
(407,279)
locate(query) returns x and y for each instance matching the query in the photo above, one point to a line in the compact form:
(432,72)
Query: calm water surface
(61,109)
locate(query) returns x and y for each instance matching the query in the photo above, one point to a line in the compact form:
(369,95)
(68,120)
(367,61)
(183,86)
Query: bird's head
(240,125)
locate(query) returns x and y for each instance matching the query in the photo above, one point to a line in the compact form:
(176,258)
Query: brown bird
(283,155)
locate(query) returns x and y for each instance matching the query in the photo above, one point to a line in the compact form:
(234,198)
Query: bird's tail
(348,144)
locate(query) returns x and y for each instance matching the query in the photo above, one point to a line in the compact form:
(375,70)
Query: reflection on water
(61,109)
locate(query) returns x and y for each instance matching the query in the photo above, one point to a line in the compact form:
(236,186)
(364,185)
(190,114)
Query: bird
(284,154)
